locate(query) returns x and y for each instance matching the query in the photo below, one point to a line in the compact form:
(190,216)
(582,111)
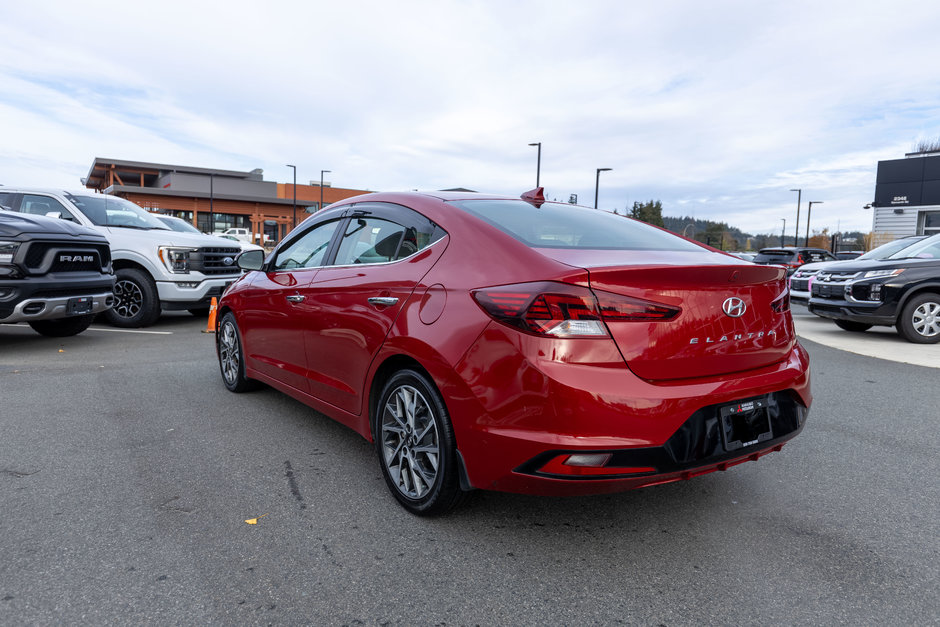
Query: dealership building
(214,200)
(907,197)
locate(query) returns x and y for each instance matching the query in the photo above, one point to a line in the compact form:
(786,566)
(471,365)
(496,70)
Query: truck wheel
(919,322)
(63,327)
(135,299)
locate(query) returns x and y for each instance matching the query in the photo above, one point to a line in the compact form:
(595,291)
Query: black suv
(901,291)
(54,275)
(792,257)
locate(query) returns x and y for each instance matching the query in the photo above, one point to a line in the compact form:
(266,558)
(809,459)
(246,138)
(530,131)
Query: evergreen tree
(650,212)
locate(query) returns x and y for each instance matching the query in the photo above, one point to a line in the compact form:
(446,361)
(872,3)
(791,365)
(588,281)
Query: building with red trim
(213,200)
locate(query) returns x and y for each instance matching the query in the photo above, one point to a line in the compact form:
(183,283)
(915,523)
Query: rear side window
(557,225)
(774,256)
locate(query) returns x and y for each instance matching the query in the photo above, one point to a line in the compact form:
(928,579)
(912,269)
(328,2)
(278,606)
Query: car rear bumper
(653,432)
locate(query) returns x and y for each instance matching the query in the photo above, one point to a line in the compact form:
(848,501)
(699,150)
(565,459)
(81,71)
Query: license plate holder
(79,306)
(745,423)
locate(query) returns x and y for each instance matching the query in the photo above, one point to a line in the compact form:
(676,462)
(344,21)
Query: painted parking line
(129,331)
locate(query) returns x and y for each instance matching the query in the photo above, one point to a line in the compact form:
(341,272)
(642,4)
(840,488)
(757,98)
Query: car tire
(854,327)
(232,356)
(63,327)
(919,321)
(416,447)
(135,299)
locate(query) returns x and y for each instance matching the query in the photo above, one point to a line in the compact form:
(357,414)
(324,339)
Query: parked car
(802,279)
(848,254)
(792,257)
(518,345)
(155,268)
(901,291)
(55,276)
(243,245)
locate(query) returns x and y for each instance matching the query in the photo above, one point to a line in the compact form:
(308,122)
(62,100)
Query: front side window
(44,206)
(309,250)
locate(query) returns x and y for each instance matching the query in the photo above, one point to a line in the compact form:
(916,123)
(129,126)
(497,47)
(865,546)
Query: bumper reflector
(587,464)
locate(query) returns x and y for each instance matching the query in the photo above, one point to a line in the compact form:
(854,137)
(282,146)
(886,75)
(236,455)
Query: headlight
(176,260)
(878,274)
(7,250)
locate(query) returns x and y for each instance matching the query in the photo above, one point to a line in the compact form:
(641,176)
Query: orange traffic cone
(210,327)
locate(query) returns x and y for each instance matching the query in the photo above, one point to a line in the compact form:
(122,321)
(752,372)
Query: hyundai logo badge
(733,307)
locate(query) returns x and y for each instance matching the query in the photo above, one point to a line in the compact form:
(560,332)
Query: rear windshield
(773,256)
(558,225)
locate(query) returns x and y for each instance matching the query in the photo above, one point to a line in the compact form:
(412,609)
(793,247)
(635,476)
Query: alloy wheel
(229,354)
(129,297)
(411,446)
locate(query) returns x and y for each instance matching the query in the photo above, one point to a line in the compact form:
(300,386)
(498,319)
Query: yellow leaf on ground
(254,521)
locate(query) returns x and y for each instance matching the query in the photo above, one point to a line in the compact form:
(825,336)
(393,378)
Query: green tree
(650,212)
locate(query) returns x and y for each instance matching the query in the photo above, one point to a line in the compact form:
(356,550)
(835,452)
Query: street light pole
(809,213)
(322,172)
(597,183)
(211,207)
(796,229)
(538,164)
(783,231)
(295,194)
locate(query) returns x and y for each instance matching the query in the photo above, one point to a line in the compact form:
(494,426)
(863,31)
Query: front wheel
(63,327)
(855,327)
(416,445)
(136,303)
(919,321)
(232,356)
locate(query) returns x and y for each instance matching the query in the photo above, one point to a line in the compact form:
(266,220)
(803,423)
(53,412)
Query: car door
(383,253)
(275,310)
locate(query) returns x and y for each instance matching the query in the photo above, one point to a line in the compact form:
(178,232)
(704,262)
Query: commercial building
(907,197)
(213,200)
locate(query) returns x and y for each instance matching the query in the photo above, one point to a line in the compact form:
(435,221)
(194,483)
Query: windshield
(178,224)
(924,249)
(886,250)
(558,225)
(104,210)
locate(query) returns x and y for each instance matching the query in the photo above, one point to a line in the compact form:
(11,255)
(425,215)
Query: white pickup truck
(155,267)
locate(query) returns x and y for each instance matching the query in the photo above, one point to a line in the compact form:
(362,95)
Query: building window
(932,223)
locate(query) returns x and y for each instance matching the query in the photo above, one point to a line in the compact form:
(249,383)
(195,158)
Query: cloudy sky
(715,108)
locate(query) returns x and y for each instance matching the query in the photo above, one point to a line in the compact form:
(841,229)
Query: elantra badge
(733,307)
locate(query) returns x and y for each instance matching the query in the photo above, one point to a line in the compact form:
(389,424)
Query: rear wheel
(919,321)
(855,327)
(63,327)
(135,299)
(416,445)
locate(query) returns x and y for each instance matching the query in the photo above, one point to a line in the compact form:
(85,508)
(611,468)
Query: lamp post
(538,164)
(783,231)
(796,229)
(597,183)
(294,223)
(211,207)
(809,213)
(322,172)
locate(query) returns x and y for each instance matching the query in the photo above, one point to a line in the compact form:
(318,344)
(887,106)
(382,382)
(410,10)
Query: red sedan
(519,345)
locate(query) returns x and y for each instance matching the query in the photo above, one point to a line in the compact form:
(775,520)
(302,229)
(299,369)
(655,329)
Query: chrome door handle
(383,301)
(296,298)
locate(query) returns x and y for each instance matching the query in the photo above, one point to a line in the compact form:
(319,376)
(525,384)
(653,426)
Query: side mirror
(53,214)
(250,260)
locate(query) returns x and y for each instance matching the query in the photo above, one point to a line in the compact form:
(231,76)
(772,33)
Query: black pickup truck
(54,275)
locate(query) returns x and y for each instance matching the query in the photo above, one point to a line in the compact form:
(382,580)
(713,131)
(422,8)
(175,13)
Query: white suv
(155,268)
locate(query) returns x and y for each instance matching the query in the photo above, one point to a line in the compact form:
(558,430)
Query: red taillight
(563,310)
(782,303)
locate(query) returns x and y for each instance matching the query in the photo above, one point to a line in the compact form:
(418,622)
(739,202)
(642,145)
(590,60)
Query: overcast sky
(715,108)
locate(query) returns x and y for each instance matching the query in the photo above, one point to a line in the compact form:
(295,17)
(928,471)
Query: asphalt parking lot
(128,472)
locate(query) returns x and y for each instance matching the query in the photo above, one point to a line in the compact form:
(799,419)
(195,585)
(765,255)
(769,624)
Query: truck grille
(215,260)
(42,257)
